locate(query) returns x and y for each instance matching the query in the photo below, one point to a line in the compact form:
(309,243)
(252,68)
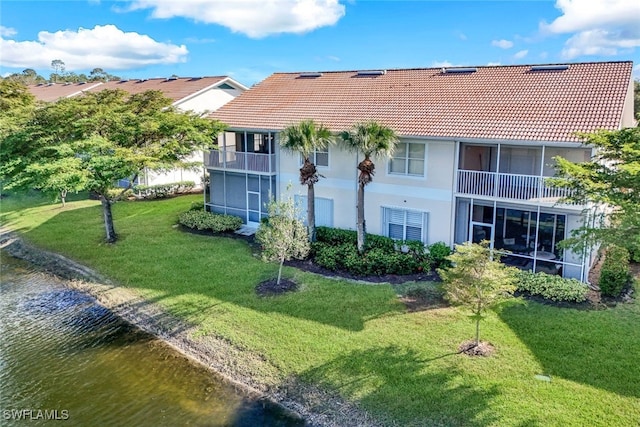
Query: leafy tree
(610,180)
(100,75)
(90,142)
(372,139)
(283,236)
(27,77)
(304,138)
(636,98)
(477,280)
(58,67)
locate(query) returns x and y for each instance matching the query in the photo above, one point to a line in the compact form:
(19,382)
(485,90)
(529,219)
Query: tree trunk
(311,212)
(280,272)
(108,219)
(478,318)
(360,225)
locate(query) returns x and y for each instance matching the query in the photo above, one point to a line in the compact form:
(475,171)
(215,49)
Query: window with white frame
(408,159)
(319,157)
(323,208)
(404,224)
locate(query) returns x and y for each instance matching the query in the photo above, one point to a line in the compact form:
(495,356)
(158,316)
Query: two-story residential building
(198,94)
(475,153)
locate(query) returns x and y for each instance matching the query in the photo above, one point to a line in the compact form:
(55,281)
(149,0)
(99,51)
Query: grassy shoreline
(355,339)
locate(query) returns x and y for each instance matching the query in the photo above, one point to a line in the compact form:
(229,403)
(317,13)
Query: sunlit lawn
(355,338)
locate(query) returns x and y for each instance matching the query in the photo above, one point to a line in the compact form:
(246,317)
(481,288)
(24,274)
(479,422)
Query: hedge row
(336,249)
(552,287)
(202,220)
(163,190)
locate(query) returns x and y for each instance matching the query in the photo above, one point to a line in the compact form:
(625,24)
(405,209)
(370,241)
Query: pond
(64,357)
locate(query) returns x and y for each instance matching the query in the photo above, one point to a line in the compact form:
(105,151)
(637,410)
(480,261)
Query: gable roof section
(492,102)
(49,92)
(178,89)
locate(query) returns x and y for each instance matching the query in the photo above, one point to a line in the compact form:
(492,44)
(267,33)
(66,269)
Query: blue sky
(250,39)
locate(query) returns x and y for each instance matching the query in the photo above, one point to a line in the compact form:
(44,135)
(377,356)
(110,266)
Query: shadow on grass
(193,273)
(597,348)
(412,391)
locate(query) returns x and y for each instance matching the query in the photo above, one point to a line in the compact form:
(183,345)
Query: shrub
(335,236)
(552,287)
(438,253)
(615,273)
(202,220)
(117,192)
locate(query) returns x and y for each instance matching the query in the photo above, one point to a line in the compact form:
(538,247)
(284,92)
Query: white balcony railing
(255,162)
(508,186)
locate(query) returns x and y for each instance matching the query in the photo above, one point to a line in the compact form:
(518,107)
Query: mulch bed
(272,287)
(470,348)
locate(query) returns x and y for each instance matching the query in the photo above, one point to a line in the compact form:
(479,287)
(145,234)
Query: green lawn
(358,339)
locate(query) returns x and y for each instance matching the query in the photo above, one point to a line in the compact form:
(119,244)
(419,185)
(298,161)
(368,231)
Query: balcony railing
(509,186)
(237,160)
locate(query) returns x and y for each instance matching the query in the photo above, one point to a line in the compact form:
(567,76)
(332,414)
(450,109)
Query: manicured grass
(358,339)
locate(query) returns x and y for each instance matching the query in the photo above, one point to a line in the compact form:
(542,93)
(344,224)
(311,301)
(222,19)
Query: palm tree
(372,139)
(304,138)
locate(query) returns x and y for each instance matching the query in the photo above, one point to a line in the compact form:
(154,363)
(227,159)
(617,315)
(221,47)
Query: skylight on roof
(553,67)
(459,70)
(310,74)
(371,72)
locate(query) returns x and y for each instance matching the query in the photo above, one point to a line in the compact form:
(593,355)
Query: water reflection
(61,351)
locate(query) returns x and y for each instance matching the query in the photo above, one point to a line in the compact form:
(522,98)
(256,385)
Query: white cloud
(255,18)
(520,54)
(103,47)
(7,31)
(493,64)
(503,44)
(438,64)
(599,27)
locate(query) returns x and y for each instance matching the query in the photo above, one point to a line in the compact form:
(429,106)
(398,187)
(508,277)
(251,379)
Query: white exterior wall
(431,194)
(209,100)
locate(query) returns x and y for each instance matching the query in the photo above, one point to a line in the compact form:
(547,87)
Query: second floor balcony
(238,160)
(509,186)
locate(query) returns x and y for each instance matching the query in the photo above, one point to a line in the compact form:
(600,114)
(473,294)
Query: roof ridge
(456,66)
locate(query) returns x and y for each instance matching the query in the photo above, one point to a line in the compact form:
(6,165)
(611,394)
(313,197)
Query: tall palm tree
(372,139)
(304,138)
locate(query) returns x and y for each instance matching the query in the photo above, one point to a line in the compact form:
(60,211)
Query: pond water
(64,357)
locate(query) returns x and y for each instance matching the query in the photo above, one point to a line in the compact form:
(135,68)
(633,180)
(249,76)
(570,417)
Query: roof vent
(51,84)
(554,67)
(459,70)
(67,84)
(171,78)
(371,72)
(310,74)
(82,83)
(142,80)
(124,80)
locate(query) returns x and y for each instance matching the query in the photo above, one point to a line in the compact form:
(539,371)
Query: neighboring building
(198,94)
(476,148)
(49,92)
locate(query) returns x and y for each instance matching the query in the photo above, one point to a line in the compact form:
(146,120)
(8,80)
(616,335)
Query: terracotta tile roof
(175,88)
(52,92)
(494,102)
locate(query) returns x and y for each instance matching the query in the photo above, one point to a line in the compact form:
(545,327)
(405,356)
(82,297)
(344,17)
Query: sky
(250,39)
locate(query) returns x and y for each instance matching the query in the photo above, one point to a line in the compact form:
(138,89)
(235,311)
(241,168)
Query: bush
(163,190)
(202,220)
(335,236)
(552,287)
(615,273)
(438,253)
(116,192)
